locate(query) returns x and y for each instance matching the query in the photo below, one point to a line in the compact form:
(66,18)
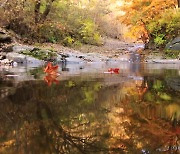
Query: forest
(76,22)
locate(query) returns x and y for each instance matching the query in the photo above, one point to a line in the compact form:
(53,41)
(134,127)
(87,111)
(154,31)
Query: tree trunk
(178,3)
(41,17)
(37,11)
(47,10)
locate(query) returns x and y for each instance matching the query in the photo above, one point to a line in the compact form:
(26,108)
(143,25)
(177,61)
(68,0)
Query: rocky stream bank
(14,53)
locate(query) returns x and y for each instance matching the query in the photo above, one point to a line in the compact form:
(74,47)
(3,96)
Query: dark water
(85,110)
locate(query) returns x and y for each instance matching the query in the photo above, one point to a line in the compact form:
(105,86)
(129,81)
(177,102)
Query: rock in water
(19,58)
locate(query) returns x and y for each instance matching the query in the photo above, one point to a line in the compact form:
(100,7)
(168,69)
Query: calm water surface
(85,110)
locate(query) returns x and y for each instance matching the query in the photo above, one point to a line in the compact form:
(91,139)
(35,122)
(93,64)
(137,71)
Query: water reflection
(137,112)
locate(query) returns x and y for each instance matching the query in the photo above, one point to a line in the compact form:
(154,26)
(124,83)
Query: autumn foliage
(50,69)
(140,14)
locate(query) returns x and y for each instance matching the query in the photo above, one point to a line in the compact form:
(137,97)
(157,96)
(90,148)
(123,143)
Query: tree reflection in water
(79,116)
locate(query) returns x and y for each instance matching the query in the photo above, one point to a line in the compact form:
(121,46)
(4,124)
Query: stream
(87,110)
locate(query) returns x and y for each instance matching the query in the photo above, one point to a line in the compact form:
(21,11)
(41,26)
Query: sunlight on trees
(141,15)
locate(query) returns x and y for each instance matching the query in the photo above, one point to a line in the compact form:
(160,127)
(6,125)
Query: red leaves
(50,69)
(113,70)
(52,74)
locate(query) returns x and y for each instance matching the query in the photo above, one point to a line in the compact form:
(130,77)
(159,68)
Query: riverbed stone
(19,58)
(19,48)
(167,61)
(72,59)
(24,59)
(32,60)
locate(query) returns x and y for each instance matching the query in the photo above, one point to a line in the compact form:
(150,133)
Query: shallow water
(84,110)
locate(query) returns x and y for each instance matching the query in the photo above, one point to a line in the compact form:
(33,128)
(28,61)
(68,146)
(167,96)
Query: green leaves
(164,27)
(158,85)
(89,34)
(165,96)
(160,39)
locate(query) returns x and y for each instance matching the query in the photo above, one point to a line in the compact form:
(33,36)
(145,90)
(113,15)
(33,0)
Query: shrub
(49,33)
(172,53)
(68,41)
(89,34)
(165,27)
(159,39)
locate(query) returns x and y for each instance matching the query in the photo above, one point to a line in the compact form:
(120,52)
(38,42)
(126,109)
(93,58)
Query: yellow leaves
(6,144)
(146,11)
(138,32)
(173,111)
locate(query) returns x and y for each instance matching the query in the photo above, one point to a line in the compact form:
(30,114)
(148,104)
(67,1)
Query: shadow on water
(135,111)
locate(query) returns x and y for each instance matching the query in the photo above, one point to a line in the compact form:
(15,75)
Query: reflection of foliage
(90,93)
(41,116)
(158,92)
(70,84)
(37,72)
(61,119)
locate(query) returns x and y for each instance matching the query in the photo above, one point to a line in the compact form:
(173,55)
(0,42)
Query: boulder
(19,48)
(174,44)
(32,60)
(25,59)
(19,58)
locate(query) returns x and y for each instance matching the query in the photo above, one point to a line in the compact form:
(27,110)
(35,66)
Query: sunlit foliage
(152,20)
(69,22)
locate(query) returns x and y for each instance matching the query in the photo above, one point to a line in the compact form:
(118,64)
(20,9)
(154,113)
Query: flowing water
(88,110)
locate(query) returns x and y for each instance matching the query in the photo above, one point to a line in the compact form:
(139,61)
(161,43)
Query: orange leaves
(143,11)
(50,69)
(52,74)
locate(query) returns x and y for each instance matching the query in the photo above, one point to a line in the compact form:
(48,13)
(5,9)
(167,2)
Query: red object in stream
(114,70)
(52,74)
(50,69)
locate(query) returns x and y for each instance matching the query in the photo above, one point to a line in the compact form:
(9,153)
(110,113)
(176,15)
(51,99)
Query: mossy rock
(47,55)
